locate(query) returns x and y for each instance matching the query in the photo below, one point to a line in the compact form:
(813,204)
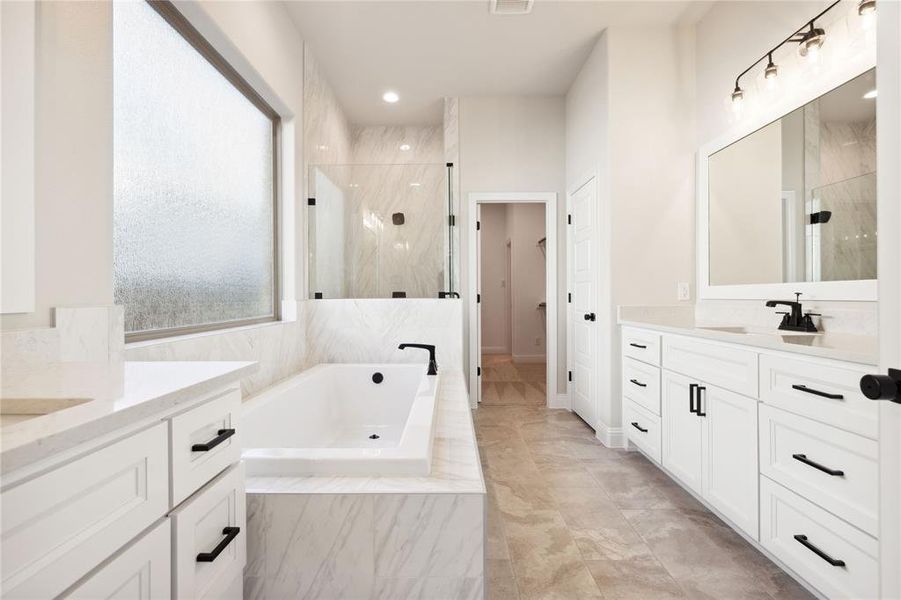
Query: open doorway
(513,330)
(514,304)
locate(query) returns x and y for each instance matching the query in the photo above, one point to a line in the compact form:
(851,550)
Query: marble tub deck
(568,518)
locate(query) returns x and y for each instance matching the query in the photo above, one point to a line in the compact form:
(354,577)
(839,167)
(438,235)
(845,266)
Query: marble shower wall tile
(280,348)
(365,546)
(89,333)
(327,133)
(381,144)
(370,330)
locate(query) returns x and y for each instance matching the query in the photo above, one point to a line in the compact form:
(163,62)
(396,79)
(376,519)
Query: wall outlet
(683,291)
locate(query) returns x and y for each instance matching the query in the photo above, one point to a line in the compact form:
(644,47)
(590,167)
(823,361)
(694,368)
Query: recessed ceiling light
(415,184)
(390,97)
(405,147)
(869,95)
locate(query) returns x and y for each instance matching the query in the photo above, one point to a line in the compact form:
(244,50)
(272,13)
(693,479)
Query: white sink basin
(16,410)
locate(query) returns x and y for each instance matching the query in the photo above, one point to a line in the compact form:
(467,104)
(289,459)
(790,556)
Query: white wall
(629,122)
(515,144)
(525,227)
(495,312)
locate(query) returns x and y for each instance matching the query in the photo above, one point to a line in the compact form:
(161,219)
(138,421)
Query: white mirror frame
(826,81)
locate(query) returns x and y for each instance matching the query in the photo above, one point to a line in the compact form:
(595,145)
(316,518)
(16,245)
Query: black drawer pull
(639,427)
(802,539)
(804,388)
(803,458)
(230,533)
(221,436)
(638,383)
(638,346)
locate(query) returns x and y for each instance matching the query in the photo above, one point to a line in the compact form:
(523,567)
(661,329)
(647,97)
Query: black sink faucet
(794,320)
(433,365)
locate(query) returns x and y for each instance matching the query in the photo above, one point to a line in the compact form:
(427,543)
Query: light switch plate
(683,291)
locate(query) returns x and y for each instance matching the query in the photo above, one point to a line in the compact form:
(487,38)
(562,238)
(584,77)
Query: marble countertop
(99,397)
(839,346)
(456,468)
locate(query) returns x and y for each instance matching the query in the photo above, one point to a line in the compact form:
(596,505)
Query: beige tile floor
(571,519)
(506,383)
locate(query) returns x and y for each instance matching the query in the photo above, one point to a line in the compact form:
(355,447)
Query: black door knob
(590,316)
(882,387)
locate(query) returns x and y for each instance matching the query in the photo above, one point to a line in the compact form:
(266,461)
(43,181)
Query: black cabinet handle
(699,412)
(230,533)
(804,388)
(638,383)
(639,427)
(802,539)
(691,397)
(803,458)
(590,316)
(221,436)
(638,346)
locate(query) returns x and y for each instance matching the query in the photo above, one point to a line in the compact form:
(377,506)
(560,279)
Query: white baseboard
(612,437)
(529,358)
(560,401)
(495,350)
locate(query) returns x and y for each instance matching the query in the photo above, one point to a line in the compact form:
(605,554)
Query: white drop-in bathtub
(335,420)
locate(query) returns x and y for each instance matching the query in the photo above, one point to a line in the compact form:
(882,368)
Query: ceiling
(426,50)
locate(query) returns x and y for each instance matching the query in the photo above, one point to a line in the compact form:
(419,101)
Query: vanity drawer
(824,391)
(142,571)
(787,441)
(211,523)
(60,525)
(642,345)
(723,365)
(642,428)
(785,515)
(641,384)
(213,425)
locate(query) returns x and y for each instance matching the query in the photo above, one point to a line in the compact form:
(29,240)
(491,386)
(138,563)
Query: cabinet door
(142,571)
(730,455)
(682,431)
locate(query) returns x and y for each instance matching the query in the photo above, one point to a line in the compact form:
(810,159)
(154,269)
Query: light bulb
(866,7)
(737,97)
(771,73)
(813,54)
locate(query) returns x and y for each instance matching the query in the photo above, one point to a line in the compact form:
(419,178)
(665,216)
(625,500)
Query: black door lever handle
(590,316)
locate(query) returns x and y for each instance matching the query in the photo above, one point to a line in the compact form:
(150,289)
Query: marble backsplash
(324,331)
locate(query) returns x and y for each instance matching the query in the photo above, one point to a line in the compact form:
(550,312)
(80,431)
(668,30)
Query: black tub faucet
(794,320)
(433,365)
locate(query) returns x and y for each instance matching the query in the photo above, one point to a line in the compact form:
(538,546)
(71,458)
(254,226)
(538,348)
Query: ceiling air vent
(511,7)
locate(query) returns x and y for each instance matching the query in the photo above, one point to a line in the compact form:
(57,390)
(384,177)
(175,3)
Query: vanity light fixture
(771,72)
(390,97)
(809,38)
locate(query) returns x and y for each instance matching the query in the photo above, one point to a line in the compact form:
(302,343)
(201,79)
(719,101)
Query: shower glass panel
(379,231)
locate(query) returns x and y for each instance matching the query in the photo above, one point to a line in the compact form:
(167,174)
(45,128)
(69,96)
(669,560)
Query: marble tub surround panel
(369,331)
(121,394)
(366,546)
(855,318)
(279,348)
(455,459)
(848,347)
(79,334)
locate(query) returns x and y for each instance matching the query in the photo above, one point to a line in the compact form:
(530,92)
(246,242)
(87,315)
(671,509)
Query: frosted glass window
(194,176)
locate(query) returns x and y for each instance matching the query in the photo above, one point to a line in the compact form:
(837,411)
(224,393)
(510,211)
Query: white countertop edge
(34,445)
(765,342)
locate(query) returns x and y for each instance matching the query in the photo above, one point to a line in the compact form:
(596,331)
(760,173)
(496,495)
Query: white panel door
(730,455)
(478,344)
(682,448)
(584,302)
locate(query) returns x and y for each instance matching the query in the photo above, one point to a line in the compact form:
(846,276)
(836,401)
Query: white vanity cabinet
(781,445)
(155,511)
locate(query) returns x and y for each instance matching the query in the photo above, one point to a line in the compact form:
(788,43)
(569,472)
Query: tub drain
(374,436)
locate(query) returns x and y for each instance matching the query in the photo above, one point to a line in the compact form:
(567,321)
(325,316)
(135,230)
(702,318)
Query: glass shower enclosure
(381,231)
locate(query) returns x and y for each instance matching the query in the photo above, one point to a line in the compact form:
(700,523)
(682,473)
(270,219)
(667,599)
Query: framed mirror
(791,206)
